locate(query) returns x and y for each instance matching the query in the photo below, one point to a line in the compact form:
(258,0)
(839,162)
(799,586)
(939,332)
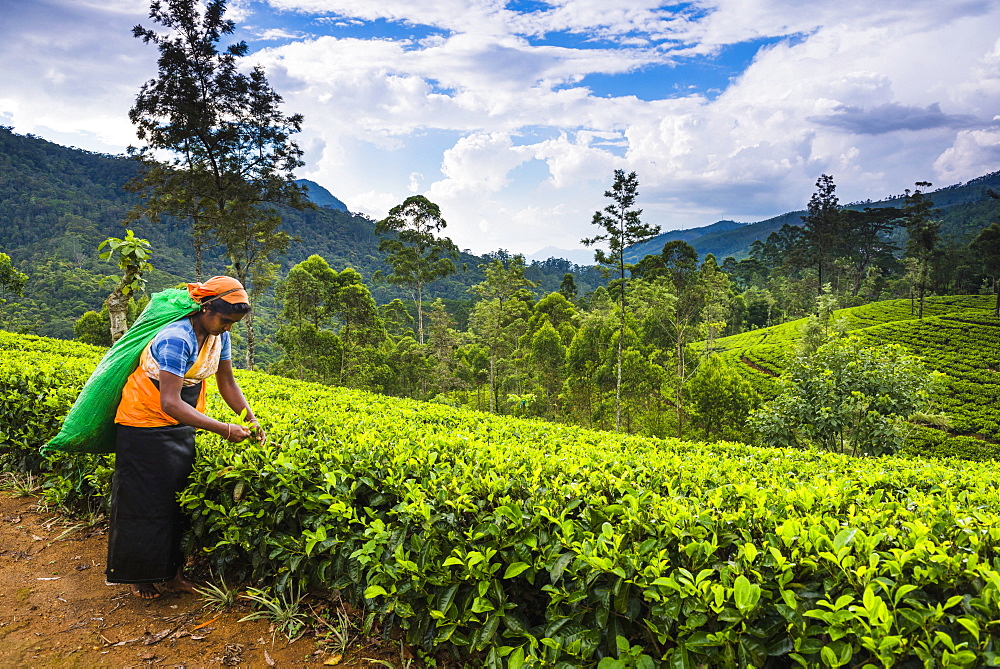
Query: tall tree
(416,252)
(987,246)
(444,341)
(713,285)
(332,325)
(568,286)
(822,227)
(923,227)
(623,228)
(233,156)
(865,239)
(132,255)
(491,318)
(721,400)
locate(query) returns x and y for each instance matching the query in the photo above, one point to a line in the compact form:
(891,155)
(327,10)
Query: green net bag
(90,424)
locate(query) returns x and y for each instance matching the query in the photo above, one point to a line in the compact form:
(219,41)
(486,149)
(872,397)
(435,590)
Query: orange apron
(140,403)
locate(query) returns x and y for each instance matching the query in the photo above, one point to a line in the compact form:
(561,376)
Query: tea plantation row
(519,543)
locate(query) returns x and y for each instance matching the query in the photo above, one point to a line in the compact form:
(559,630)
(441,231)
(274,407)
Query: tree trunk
(118,311)
(679,399)
(420,314)
(199,245)
(493,394)
(923,272)
(618,384)
(621,342)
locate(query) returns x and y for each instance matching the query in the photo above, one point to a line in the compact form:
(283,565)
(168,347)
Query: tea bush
(547,545)
(522,543)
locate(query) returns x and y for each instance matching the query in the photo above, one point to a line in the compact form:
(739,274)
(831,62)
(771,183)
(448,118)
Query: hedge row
(530,544)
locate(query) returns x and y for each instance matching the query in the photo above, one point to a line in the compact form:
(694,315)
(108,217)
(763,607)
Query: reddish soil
(57,611)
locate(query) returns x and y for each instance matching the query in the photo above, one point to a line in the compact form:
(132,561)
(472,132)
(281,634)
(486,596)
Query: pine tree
(233,154)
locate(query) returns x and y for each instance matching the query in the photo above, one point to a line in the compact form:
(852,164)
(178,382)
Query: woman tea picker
(162,404)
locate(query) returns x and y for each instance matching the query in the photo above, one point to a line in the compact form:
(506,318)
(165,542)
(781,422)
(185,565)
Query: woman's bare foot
(145,591)
(183,583)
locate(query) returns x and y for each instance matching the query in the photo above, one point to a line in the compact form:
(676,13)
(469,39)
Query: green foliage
(283,610)
(531,544)
(720,400)
(39,379)
(331,327)
(218,596)
(847,398)
(623,228)
(233,156)
(956,338)
(11,280)
(94,327)
(415,251)
(132,255)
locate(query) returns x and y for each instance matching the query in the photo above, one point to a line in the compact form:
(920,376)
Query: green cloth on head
(90,424)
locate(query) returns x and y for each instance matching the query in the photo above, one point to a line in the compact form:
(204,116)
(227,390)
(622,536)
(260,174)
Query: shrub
(847,398)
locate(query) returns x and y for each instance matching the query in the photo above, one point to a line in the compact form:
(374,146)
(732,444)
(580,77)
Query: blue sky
(513,117)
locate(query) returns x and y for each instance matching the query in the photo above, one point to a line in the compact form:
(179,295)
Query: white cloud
(974,153)
(273,34)
(478,162)
(499,127)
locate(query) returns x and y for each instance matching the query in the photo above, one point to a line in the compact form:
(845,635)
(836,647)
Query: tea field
(958,336)
(518,543)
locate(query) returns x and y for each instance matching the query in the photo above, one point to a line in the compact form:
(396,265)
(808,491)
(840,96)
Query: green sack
(90,425)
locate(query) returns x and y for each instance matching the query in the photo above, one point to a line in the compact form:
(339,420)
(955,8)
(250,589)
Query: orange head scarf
(225,288)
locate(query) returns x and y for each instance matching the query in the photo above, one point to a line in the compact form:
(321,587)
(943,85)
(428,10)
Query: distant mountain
(692,236)
(320,196)
(964,210)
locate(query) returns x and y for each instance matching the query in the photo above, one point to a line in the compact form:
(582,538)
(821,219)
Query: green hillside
(959,337)
(57,204)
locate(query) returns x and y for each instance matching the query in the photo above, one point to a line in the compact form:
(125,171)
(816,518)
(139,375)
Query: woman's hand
(234,433)
(257,432)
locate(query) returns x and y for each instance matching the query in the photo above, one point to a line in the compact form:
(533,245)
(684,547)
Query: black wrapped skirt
(152,465)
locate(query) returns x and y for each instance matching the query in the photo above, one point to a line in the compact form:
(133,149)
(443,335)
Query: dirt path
(56,611)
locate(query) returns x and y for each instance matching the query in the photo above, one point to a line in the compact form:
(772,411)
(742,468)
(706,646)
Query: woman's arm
(182,412)
(232,394)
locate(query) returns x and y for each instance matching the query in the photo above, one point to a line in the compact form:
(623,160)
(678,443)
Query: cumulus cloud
(974,153)
(498,116)
(273,34)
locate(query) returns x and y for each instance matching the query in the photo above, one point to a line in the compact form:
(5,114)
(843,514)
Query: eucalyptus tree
(332,325)
(232,154)
(987,246)
(623,227)
(491,318)
(922,227)
(865,234)
(416,252)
